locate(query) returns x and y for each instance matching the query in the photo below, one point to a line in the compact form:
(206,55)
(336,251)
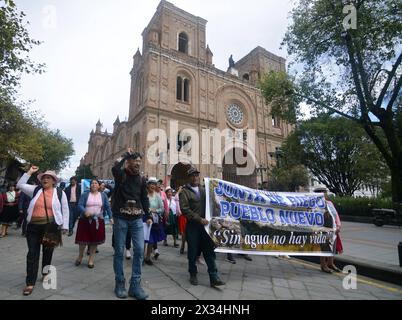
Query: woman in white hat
(48,206)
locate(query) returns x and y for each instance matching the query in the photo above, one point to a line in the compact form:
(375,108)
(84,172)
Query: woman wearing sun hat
(48,205)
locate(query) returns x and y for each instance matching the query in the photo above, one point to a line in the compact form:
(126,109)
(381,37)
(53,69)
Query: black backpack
(59,193)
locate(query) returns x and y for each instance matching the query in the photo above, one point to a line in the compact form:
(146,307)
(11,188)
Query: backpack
(59,193)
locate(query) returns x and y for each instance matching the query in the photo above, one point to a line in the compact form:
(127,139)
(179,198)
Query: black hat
(134,155)
(192,171)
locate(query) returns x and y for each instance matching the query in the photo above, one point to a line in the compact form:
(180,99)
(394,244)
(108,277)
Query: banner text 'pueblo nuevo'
(244,220)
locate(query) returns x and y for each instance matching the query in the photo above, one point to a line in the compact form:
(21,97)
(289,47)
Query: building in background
(174,79)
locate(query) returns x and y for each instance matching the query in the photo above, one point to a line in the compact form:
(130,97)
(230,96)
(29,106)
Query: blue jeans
(120,229)
(74,215)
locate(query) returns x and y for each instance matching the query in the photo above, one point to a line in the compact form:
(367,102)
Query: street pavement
(365,241)
(265,278)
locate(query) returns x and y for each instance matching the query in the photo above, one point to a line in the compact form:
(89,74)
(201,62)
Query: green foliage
(57,150)
(278,88)
(84,172)
(23,133)
(355,73)
(15,44)
(18,134)
(337,152)
(284,178)
(360,206)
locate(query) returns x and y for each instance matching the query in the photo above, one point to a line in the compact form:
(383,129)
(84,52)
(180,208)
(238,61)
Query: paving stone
(282,293)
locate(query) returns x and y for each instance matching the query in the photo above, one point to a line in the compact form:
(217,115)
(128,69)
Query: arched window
(182,89)
(183,43)
(246,77)
(275,122)
(179,85)
(186,86)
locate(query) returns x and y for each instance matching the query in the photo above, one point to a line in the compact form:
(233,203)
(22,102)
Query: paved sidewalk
(263,278)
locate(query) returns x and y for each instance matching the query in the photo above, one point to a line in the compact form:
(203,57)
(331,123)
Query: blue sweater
(105,205)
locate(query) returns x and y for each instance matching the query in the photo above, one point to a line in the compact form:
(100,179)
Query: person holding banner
(327,263)
(338,248)
(192,205)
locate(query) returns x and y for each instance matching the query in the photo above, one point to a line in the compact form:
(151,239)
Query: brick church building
(174,80)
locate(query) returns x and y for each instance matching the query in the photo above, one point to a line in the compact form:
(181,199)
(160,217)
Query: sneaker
(232,261)
(128,254)
(70,233)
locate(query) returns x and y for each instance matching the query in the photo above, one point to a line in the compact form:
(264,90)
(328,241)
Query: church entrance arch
(230,173)
(179,175)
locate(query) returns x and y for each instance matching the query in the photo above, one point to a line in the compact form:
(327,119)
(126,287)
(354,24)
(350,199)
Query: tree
(15,44)
(288,178)
(23,133)
(57,150)
(18,134)
(355,73)
(84,172)
(337,152)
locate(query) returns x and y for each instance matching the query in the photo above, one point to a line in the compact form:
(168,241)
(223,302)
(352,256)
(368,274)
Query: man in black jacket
(130,206)
(192,205)
(73,193)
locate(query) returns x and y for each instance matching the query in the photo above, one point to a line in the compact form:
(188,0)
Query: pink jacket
(165,204)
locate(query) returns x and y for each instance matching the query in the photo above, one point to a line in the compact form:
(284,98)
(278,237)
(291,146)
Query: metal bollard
(400,253)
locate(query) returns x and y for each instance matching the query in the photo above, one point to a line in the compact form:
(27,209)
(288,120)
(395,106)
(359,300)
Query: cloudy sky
(88,47)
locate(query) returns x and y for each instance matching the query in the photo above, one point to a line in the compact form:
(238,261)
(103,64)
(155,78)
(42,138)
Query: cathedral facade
(176,88)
